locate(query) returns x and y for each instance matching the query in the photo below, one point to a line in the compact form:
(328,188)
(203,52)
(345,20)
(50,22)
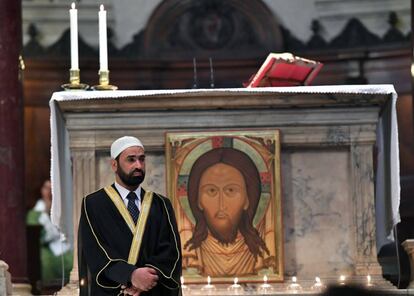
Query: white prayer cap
(123,143)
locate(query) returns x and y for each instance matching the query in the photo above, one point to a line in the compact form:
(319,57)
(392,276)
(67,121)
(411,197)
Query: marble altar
(328,139)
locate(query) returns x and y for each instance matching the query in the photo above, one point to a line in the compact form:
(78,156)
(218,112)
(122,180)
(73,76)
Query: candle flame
(73,5)
(368,279)
(318,280)
(82,282)
(182,280)
(294,279)
(236,280)
(208,280)
(342,278)
(265,279)
(101,8)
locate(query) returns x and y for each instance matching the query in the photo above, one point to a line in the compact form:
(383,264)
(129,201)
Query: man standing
(128,238)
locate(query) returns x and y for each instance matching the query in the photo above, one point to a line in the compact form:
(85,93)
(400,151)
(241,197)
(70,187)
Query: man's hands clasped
(142,279)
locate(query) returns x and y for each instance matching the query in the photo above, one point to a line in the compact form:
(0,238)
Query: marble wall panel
(317,213)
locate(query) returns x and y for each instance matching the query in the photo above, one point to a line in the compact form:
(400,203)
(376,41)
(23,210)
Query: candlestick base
(70,86)
(104,87)
(74,81)
(104,82)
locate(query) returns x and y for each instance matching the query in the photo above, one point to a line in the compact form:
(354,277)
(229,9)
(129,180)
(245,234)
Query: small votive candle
(209,288)
(236,288)
(342,280)
(318,286)
(184,288)
(294,287)
(265,288)
(369,281)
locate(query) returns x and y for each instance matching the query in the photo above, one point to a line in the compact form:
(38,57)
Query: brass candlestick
(74,81)
(104,82)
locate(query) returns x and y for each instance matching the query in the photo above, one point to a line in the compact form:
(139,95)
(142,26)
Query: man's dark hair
(243,163)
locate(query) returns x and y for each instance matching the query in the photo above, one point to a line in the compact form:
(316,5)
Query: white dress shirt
(124,192)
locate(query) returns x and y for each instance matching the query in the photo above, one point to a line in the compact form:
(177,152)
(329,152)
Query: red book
(285,69)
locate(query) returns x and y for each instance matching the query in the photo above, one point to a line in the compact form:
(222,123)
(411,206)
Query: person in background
(54,251)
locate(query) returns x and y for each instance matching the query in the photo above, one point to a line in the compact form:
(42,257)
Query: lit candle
(73,14)
(265,288)
(318,286)
(103,45)
(236,289)
(342,279)
(209,288)
(184,289)
(294,287)
(369,283)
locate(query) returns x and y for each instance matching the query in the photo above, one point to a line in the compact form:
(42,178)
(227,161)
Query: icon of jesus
(224,189)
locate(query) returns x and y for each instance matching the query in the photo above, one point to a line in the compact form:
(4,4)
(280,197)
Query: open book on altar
(285,69)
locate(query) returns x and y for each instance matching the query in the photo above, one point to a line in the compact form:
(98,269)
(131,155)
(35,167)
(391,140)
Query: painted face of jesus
(222,198)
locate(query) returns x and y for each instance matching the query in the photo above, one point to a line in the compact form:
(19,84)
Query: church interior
(213,47)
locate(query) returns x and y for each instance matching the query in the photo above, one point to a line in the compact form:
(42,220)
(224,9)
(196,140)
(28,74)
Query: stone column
(84,182)
(362,181)
(12,210)
(5,283)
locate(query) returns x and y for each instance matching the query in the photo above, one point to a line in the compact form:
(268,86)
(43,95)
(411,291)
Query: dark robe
(103,274)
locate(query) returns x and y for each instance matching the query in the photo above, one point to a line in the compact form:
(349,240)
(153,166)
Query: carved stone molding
(84,182)
(225,30)
(362,183)
(211,27)
(51,18)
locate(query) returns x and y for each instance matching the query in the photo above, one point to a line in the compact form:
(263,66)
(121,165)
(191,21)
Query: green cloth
(51,265)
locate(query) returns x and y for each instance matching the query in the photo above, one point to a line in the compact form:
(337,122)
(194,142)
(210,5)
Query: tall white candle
(103,46)
(73,13)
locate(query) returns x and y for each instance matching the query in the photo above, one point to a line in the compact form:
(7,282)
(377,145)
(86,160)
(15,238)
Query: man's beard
(130,179)
(228,239)
(227,234)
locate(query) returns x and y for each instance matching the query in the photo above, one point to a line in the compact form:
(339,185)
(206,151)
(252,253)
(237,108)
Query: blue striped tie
(132,207)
